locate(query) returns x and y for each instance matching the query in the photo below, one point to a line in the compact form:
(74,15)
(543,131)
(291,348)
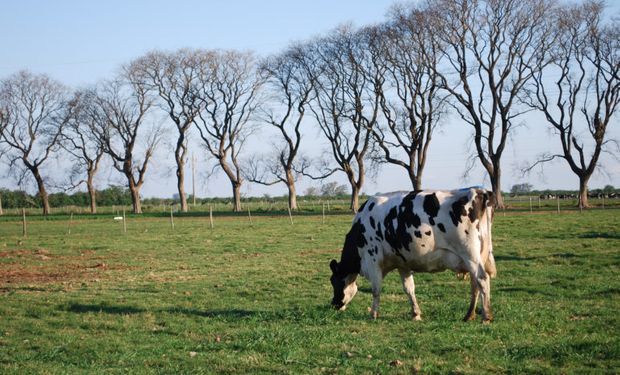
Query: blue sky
(81,42)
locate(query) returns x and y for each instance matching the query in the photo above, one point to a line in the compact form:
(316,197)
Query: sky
(81,42)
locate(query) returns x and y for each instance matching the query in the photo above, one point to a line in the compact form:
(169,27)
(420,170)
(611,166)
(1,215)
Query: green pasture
(85,297)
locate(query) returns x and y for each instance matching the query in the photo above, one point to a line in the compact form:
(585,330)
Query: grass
(254,299)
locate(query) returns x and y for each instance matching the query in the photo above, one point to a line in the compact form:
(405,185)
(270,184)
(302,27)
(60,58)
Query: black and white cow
(420,231)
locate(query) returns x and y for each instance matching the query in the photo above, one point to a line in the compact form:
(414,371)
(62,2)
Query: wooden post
(530,204)
(1,213)
(211,216)
(194,178)
(323,213)
(70,222)
(249,216)
(557,198)
(290,216)
(124,222)
(539,202)
(24,230)
(171,219)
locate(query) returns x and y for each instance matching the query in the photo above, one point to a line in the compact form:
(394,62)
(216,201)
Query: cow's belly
(422,256)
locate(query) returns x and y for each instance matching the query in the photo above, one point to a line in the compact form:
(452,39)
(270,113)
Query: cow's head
(344,286)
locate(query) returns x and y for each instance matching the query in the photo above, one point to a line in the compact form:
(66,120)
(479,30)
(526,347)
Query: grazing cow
(421,231)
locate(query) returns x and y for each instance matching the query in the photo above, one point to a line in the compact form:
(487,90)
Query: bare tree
(586,92)
(79,141)
(488,47)
(410,97)
(172,76)
(345,103)
(31,107)
(121,114)
(290,89)
(228,88)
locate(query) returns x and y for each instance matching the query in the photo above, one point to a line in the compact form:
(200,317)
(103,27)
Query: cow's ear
(334,266)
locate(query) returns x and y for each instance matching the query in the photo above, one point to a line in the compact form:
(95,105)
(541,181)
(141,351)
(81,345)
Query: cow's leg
(376,281)
(409,287)
(475,292)
(483,282)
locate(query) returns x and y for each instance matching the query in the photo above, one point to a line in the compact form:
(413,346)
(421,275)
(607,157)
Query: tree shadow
(610,235)
(114,310)
(514,258)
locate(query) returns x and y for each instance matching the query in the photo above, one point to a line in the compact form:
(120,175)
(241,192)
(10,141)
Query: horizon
(80,43)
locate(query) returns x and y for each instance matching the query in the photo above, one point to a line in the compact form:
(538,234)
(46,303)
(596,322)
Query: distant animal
(420,231)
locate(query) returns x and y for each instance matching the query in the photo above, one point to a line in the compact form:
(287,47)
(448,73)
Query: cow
(419,231)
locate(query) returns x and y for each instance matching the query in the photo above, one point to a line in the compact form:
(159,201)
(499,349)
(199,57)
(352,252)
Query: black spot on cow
(371,206)
(372,222)
(431,207)
(428,233)
(406,216)
(417,234)
(458,210)
(350,259)
(398,237)
(441,227)
(379,232)
(362,207)
(466,231)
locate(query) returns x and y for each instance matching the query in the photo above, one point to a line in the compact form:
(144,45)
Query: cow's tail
(486,222)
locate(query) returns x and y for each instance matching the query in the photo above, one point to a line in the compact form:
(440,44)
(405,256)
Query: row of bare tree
(375,93)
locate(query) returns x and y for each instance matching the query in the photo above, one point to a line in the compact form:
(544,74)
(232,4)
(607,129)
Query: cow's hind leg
(475,292)
(409,287)
(483,282)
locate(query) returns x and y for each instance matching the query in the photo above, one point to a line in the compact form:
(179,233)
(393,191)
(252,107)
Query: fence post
(1,213)
(124,222)
(249,216)
(323,213)
(530,204)
(70,222)
(24,230)
(211,216)
(171,218)
(557,198)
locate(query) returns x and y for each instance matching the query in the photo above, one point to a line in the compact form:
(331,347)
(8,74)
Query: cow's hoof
(469,318)
(416,317)
(487,321)
(374,315)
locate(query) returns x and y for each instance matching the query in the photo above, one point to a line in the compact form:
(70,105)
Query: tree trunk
(236,196)
(42,191)
(496,186)
(355,199)
(91,194)
(292,193)
(583,191)
(135,196)
(179,155)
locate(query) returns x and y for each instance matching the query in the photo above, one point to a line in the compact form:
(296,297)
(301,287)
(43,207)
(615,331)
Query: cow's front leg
(376,294)
(475,292)
(409,288)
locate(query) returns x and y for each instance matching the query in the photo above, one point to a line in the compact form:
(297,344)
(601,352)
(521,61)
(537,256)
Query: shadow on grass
(615,236)
(292,314)
(526,290)
(115,310)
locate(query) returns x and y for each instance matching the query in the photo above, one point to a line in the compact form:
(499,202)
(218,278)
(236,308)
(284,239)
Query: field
(85,297)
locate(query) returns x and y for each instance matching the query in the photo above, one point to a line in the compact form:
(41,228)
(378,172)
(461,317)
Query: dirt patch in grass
(27,267)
